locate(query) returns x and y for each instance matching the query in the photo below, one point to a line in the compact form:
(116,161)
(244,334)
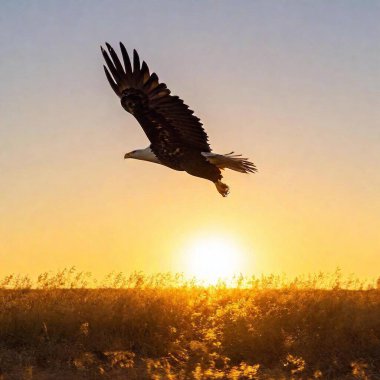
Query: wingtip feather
(126,59)
(136,61)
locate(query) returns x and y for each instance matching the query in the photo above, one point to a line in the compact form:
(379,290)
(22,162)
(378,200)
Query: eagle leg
(222,188)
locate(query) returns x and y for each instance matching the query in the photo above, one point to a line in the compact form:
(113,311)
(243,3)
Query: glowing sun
(213,258)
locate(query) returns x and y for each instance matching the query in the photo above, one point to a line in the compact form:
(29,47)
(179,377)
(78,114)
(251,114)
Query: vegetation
(68,326)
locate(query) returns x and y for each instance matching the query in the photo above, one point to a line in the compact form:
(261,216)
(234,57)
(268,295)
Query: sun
(212,258)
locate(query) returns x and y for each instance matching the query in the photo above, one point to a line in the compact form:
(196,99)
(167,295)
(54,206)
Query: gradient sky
(294,85)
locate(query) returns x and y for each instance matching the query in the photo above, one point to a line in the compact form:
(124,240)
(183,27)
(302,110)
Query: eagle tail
(230,161)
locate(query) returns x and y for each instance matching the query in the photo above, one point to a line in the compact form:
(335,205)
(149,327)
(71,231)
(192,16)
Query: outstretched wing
(176,117)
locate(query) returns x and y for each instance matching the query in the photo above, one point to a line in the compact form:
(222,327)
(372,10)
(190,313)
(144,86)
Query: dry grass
(68,326)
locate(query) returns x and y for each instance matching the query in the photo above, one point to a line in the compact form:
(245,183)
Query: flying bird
(176,135)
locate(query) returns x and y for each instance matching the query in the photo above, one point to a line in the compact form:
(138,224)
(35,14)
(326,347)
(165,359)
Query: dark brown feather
(127,62)
(164,111)
(111,81)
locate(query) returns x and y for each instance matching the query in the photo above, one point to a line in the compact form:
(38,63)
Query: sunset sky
(293,85)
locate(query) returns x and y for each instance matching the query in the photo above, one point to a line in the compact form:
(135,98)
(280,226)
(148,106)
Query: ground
(162,328)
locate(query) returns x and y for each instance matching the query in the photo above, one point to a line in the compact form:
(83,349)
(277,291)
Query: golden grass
(69,326)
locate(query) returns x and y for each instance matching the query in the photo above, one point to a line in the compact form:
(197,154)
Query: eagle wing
(167,116)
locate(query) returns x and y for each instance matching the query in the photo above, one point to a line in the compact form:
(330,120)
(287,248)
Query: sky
(293,85)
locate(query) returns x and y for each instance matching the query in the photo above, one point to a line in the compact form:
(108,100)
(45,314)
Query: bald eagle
(177,138)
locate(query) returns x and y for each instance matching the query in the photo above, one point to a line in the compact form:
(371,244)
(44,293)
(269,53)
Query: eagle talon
(222,188)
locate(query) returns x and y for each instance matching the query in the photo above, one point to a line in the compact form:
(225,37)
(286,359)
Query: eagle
(176,135)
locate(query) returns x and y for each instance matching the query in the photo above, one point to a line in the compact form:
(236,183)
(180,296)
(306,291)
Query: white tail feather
(230,161)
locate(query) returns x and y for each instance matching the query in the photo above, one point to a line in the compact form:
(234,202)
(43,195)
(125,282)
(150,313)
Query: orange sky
(302,105)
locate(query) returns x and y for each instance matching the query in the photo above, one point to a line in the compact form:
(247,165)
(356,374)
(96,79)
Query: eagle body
(177,137)
(169,148)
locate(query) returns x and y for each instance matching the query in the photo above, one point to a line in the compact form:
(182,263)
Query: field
(68,326)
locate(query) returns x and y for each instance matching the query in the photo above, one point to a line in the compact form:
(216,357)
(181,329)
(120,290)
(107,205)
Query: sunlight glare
(213,258)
